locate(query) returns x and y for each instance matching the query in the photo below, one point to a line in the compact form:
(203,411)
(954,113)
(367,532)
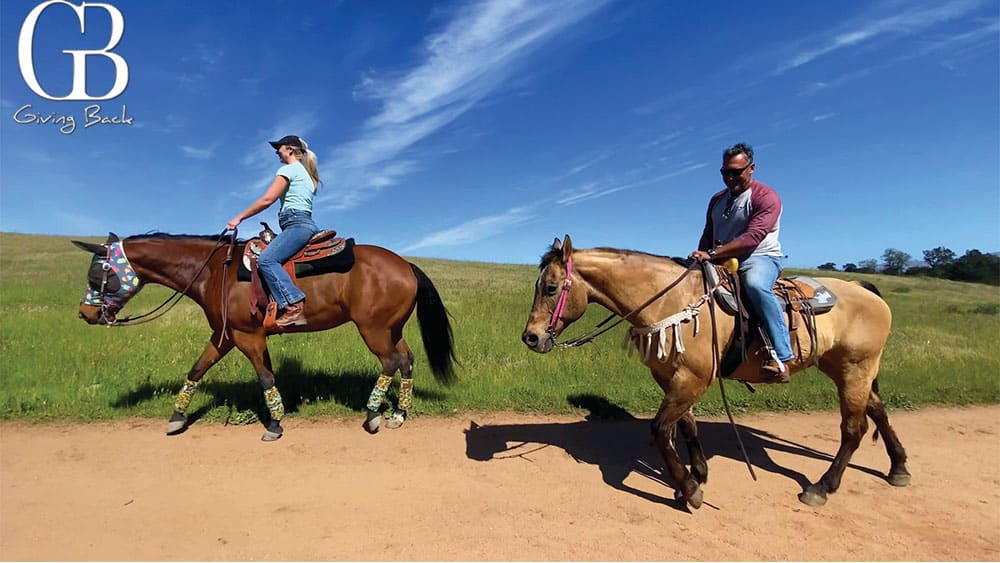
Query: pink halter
(561,302)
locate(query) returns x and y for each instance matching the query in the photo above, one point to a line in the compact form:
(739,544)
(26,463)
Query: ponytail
(309,161)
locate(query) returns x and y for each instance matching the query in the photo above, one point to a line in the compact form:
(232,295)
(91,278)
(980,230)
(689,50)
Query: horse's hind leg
(398,416)
(854,389)
(898,475)
(382,343)
(212,354)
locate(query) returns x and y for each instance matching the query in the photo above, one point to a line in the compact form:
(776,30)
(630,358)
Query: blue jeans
(297,228)
(758,274)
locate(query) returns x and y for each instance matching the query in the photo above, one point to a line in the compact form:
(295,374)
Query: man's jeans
(758,274)
(297,228)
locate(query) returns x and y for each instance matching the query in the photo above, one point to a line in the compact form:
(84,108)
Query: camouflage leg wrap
(184,396)
(405,393)
(378,393)
(274,404)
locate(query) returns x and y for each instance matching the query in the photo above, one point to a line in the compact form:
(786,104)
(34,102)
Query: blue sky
(482,130)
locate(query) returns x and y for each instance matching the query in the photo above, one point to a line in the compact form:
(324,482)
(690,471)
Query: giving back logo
(80,91)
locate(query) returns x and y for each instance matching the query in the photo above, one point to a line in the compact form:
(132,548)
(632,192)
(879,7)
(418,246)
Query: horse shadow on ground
(612,438)
(297,384)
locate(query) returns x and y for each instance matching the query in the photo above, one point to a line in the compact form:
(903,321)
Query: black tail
(435,328)
(870,287)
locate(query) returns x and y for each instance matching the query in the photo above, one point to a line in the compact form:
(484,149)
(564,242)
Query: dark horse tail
(434,328)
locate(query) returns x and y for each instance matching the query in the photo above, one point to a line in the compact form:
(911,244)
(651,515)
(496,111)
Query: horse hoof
(273,432)
(899,479)
(812,498)
(176,425)
(395,420)
(372,422)
(691,494)
(695,500)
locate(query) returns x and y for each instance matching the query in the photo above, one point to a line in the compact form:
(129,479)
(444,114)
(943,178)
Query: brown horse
(850,340)
(378,294)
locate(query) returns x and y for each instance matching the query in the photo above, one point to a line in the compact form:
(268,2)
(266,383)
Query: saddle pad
(822,300)
(339,263)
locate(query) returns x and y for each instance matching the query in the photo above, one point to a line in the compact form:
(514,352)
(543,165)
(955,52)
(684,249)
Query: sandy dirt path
(492,487)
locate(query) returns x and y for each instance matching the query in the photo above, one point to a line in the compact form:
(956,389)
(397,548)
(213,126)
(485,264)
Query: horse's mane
(227,238)
(553,253)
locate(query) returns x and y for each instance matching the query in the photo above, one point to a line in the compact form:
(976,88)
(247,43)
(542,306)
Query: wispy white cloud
(904,20)
(199,153)
(474,230)
(595,190)
(950,46)
(479,49)
(823,116)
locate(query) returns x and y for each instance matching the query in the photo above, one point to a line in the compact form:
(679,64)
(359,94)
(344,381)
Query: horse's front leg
(254,347)
(689,429)
(688,485)
(212,354)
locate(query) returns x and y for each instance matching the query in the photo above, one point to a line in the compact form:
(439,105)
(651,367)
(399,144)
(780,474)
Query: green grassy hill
(944,349)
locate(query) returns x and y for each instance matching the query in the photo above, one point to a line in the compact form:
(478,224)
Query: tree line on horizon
(973,266)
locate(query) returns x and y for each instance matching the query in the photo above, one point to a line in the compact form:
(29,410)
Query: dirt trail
(512,488)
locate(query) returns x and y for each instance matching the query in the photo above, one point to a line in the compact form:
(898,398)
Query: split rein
(171,301)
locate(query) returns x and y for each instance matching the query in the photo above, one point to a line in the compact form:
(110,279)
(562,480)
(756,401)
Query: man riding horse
(742,222)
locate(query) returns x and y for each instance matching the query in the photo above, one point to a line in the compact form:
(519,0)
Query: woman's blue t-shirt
(299,194)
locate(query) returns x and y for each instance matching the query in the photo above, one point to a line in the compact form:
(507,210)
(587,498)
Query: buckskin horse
(849,339)
(378,294)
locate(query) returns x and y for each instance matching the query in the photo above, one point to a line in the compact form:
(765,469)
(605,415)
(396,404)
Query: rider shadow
(296,383)
(611,438)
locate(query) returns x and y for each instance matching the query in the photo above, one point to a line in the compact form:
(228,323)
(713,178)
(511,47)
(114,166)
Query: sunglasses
(734,171)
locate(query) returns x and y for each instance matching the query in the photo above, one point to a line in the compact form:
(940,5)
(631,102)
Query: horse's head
(111,281)
(558,301)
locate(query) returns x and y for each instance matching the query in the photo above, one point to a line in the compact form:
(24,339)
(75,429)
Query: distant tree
(895,261)
(919,271)
(850,267)
(939,257)
(975,266)
(830,266)
(869,266)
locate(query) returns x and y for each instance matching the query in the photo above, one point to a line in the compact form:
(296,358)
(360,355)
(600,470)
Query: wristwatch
(710,252)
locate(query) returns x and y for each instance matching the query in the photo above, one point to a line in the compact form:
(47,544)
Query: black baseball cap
(290,140)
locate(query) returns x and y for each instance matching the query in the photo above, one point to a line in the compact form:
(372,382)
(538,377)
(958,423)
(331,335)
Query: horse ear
(113,238)
(557,245)
(567,248)
(90,247)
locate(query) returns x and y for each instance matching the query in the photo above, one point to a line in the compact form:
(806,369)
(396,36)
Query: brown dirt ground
(514,487)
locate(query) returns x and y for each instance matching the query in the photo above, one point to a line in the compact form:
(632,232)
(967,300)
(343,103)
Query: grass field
(944,349)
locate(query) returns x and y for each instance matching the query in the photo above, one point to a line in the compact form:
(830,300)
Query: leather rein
(593,333)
